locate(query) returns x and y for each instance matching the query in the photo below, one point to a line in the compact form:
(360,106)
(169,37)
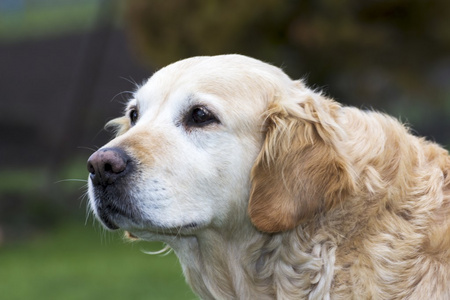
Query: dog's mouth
(114,213)
(110,215)
(114,218)
(117,212)
(108,223)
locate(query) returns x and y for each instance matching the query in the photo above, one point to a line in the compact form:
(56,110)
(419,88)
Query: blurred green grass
(76,261)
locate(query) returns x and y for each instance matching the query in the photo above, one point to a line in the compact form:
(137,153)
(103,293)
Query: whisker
(88,215)
(85,195)
(179,231)
(71,180)
(164,251)
(98,133)
(132,81)
(83,187)
(88,148)
(120,94)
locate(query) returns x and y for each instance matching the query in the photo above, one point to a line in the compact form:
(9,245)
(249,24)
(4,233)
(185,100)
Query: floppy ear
(299,172)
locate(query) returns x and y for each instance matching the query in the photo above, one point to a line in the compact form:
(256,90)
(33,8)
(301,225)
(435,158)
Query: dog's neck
(252,265)
(214,264)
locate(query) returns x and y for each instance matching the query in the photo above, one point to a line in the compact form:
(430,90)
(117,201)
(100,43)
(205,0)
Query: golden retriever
(267,189)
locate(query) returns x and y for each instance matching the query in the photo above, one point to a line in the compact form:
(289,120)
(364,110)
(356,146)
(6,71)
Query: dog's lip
(106,220)
(110,225)
(191,225)
(187,229)
(110,216)
(114,217)
(113,222)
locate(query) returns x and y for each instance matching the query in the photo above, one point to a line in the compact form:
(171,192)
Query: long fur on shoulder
(356,190)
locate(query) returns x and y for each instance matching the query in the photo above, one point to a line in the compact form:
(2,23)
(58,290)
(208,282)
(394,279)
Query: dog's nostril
(90,168)
(108,168)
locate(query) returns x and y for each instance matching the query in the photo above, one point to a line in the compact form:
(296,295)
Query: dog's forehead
(227,76)
(203,71)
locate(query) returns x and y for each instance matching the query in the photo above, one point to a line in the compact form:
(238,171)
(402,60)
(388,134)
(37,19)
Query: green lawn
(84,262)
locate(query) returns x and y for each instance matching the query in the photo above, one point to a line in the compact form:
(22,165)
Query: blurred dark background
(67,67)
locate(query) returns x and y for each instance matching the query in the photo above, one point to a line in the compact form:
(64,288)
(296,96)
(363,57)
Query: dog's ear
(299,171)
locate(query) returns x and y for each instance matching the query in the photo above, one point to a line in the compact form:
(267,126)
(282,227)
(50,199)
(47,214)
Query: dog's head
(209,138)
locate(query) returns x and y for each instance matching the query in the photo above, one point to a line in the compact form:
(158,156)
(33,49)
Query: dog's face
(207,137)
(185,148)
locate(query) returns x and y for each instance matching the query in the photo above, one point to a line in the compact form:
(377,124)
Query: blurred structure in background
(64,67)
(66,63)
(392,55)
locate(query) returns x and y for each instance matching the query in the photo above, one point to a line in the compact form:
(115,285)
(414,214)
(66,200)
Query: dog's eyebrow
(132,104)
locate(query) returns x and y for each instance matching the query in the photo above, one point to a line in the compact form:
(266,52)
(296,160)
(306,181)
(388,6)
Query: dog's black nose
(106,165)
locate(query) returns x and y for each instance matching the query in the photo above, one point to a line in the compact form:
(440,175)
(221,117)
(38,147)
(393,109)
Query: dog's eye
(134,115)
(200,116)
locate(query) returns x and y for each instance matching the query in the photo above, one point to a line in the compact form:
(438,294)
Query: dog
(266,189)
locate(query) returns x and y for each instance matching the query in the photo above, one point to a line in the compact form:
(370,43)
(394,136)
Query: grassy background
(76,261)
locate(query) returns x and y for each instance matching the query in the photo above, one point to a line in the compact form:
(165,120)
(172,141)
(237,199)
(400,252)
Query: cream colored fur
(297,196)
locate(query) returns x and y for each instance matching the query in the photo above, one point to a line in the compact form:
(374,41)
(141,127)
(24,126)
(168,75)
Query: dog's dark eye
(200,116)
(134,115)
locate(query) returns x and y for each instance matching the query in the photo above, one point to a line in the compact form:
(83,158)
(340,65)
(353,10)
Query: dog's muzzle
(108,168)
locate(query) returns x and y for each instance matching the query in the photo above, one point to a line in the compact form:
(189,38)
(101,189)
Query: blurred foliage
(362,46)
(35,19)
(169,30)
